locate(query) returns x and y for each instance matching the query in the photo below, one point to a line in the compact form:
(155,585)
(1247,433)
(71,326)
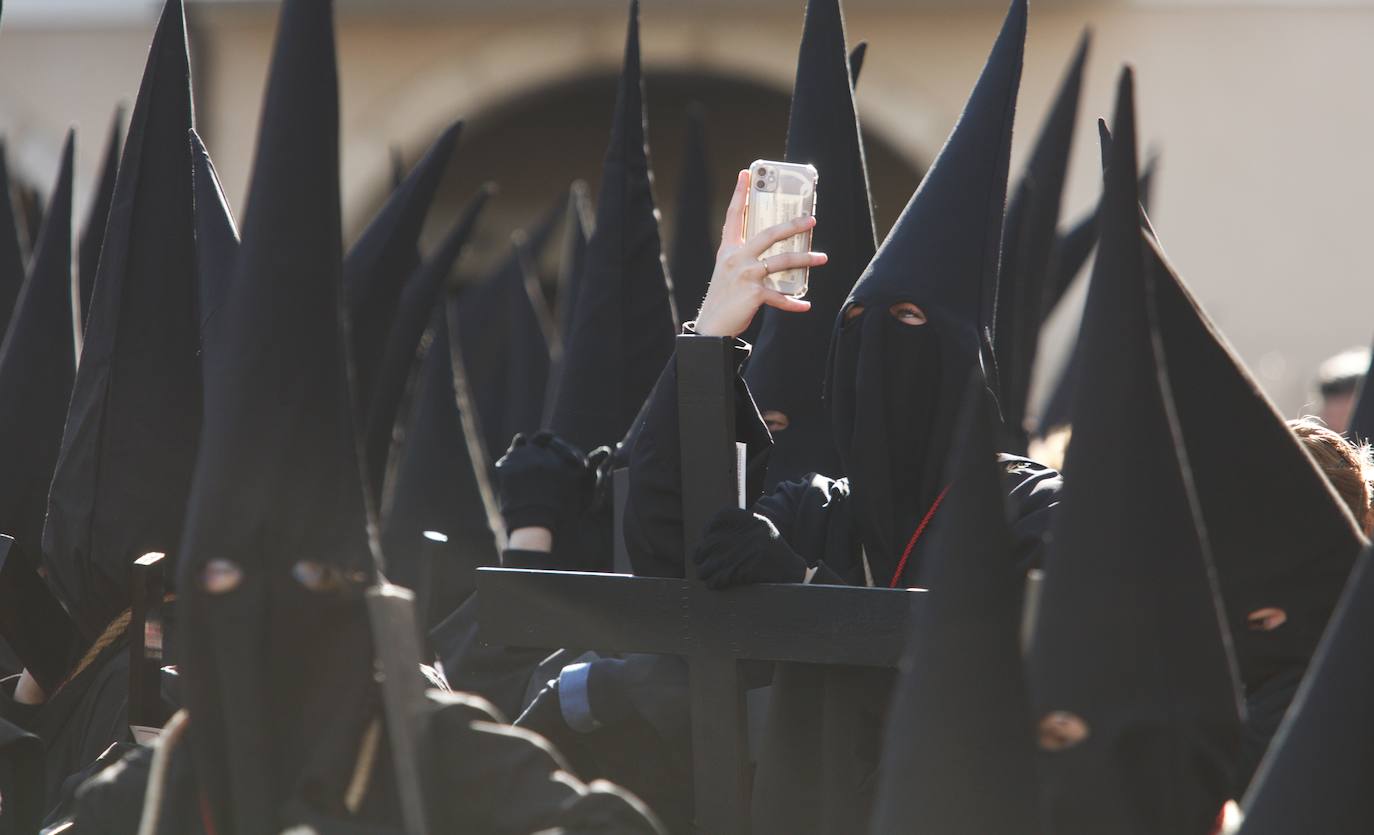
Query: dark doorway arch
(533,145)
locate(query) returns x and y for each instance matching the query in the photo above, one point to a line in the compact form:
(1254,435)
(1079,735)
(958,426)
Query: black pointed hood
(959,731)
(119,490)
(1028,238)
(1315,776)
(37,366)
(413,314)
(1076,244)
(438,481)
(786,370)
(384,256)
(501,335)
(1290,545)
(624,322)
(94,234)
(217,237)
(11,252)
(277,655)
(894,387)
(694,232)
(1129,643)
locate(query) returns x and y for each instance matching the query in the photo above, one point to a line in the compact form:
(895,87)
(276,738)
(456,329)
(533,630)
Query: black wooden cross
(712,630)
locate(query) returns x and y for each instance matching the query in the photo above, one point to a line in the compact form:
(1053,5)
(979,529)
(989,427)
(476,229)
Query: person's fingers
(756,245)
(732,233)
(786,303)
(793,261)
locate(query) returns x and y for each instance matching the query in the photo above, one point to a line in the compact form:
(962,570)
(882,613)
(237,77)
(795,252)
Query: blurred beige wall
(1262,113)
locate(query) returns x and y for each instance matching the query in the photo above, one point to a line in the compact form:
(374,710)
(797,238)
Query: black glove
(540,479)
(741,547)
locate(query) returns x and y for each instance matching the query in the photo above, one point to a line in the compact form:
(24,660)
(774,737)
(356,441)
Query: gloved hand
(741,547)
(539,478)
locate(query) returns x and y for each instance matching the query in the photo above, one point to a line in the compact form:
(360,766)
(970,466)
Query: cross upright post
(147,712)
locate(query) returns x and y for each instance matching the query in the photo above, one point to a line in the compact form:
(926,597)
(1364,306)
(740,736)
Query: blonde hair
(1346,465)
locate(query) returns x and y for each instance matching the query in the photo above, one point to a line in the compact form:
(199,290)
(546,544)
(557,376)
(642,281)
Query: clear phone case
(779,192)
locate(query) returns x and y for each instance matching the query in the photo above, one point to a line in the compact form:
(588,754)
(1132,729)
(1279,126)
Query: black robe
(820,750)
(79,721)
(489,779)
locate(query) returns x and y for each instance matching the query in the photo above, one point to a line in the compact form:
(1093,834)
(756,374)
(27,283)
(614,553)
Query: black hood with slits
(1316,776)
(277,662)
(1130,645)
(1280,535)
(894,388)
(786,370)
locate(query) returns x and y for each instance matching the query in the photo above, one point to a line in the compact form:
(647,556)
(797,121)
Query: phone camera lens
(761,184)
(763,172)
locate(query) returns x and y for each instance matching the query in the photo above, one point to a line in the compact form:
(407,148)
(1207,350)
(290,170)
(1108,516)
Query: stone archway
(536,142)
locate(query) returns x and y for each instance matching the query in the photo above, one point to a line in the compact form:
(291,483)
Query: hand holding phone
(739,284)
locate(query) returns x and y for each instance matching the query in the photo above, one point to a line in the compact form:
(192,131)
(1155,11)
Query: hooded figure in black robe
(93,236)
(1280,536)
(624,319)
(1316,776)
(787,367)
(437,471)
(1132,678)
(283,724)
(621,321)
(694,233)
(902,348)
(959,731)
(620,335)
(1027,248)
(37,366)
(119,487)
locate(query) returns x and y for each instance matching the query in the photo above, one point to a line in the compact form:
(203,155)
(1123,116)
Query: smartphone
(779,192)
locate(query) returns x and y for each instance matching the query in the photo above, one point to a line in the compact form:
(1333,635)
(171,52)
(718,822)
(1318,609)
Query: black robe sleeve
(498,779)
(653,512)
